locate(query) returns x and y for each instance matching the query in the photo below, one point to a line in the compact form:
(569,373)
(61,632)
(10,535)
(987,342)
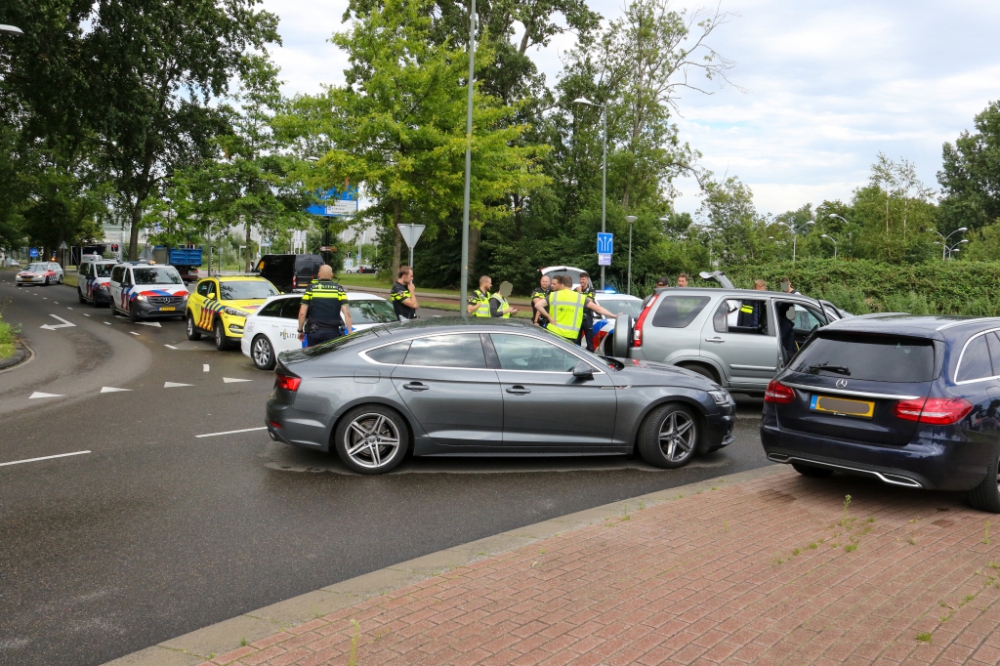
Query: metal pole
(794,244)
(468,164)
(604,179)
(411,260)
(629,259)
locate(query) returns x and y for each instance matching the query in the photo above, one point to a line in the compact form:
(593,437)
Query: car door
(115,285)
(196,301)
(748,356)
(545,406)
(84,281)
(445,383)
(286,325)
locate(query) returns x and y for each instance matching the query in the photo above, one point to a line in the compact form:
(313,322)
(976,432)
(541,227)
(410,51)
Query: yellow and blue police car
(219,306)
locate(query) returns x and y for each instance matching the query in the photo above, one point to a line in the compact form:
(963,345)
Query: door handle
(715,340)
(415,386)
(518,390)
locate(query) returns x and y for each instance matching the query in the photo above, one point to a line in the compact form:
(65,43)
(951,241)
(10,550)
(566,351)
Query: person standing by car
(498,302)
(662,281)
(750,310)
(682,280)
(587,330)
(566,307)
(322,314)
(479,299)
(786,286)
(404,294)
(540,297)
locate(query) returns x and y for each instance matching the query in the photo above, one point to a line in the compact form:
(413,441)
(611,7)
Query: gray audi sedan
(488,387)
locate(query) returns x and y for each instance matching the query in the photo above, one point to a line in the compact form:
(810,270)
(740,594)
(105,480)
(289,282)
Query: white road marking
(205,367)
(39,394)
(150,323)
(133,333)
(85,314)
(112,389)
(61,455)
(174,385)
(55,302)
(108,323)
(170,347)
(68,307)
(231,432)
(52,327)
(230,380)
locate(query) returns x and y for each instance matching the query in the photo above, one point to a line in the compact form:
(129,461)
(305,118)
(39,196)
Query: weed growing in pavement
(243,642)
(541,551)
(845,532)
(850,548)
(924,637)
(994,565)
(813,546)
(352,659)
(986,536)
(642,506)
(796,552)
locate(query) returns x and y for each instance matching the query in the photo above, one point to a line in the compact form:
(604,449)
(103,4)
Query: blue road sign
(605,243)
(33,253)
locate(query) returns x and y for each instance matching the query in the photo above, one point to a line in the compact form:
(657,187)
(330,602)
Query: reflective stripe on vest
(747,309)
(482,301)
(504,309)
(566,307)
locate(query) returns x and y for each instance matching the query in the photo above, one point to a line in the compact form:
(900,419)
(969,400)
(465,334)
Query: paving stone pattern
(771,571)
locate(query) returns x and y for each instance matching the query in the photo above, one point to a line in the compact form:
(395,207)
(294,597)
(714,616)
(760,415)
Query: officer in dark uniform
(323,313)
(540,297)
(404,294)
(587,330)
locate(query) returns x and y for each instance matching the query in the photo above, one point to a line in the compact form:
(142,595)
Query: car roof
(934,327)
(749,294)
(351,296)
(450,324)
(240,278)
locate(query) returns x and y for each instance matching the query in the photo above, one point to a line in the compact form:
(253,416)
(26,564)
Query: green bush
(938,287)
(7,339)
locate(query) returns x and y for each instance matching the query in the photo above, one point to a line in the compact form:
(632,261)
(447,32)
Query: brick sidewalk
(775,570)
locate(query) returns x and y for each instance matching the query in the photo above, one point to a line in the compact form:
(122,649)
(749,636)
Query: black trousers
(588,333)
(319,336)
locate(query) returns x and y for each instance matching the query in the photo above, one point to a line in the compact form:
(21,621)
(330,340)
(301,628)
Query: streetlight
(10,29)
(604,165)
(945,249)
(795,232)
(830,238)
(631,220)
(468,160)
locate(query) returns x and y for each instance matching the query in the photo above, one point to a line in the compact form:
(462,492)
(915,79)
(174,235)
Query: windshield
(629,306)
(371,312)
(103,270)
(246,290)
(572,272)
(156,275)
(36,268)
(877,358)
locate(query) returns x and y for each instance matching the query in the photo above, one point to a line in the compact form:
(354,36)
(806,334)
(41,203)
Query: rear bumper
(933,459)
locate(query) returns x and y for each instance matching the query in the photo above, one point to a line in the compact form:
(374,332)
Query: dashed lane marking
(205,367)
(112,389)
(60,455)
(68,307)
(38,394)
(133,333)
(174,385)
(231,380)
(108,323)
(150,323)
(230,432)
(170,347)
(85,314)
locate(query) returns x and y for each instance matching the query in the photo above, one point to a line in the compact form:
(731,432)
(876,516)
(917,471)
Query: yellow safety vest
(566,307)
(482,302)
(504,308)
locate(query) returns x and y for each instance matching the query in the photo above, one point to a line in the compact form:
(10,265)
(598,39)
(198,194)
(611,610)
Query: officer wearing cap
(323,314)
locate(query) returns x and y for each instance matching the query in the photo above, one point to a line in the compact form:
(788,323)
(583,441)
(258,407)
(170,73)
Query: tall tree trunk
(133,243)
(397,238)
(248,266)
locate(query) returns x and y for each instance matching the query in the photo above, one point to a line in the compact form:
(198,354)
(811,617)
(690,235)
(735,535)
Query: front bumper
(719,428)
(936,458)
(150,310)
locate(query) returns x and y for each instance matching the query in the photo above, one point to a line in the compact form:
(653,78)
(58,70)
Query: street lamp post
(830,238)
(631,220)
(795,233)
(604,165)
(945,249)
(468,160)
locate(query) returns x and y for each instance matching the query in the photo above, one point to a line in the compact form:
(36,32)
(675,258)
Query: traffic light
(114,247)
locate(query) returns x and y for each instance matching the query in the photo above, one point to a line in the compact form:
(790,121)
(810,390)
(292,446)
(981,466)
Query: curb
(23,355)
(196,647)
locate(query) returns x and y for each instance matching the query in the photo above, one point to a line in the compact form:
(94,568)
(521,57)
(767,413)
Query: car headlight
(140,298)
(234,312)
(721,397)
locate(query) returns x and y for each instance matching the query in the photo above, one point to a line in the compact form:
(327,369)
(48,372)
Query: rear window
(873,358)
(678,311)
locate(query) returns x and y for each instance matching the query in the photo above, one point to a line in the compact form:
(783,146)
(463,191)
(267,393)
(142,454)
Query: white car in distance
(274,327)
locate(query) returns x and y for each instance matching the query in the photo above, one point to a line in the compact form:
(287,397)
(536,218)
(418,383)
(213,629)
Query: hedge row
(860,286)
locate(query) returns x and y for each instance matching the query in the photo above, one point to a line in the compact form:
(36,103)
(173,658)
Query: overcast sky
(828,84)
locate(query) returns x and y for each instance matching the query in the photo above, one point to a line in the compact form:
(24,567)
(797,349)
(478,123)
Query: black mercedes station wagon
(913,401)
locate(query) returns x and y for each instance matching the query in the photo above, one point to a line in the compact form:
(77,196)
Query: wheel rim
(190,325)
(261,352)
(998,477)
(218,334)
(677,436)
(371,440)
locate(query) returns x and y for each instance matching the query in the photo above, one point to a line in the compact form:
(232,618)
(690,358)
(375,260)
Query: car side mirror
(211,295)
(583,371)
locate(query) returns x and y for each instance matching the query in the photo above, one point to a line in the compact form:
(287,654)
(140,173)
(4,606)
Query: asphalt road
(155,531)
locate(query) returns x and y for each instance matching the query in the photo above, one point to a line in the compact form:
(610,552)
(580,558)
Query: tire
(133,315)
(46,281)
(192,331)
(812,472)
(59,280)
(262,353)
(986,496)
(221,341)
(386,424)
(702,370)
(660,444)
(79,295)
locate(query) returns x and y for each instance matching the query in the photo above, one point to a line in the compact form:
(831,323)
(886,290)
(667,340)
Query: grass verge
(8,336)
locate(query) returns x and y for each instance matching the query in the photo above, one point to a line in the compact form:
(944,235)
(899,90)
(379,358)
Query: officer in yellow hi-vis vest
(498,302)
(323,313)
(566,308)
(479,300)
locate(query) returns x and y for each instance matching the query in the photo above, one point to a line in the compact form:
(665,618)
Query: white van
(141,291)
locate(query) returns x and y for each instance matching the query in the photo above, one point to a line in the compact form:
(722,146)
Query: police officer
(479,299)
(404,294)
(587,289)
(498,302)
(566,308)
(750,310)
(323,314)
(540,297)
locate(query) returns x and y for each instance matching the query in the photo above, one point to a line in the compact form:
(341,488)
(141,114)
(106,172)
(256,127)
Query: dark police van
(289,272)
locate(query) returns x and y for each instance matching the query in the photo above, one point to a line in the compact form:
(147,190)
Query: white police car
(604,326)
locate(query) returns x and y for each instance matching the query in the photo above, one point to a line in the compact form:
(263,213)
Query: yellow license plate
(843,406)
(168,309)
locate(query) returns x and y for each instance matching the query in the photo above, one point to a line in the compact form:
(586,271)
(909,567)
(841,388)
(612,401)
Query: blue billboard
(336,202)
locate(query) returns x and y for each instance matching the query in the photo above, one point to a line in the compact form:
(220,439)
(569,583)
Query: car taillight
(637,335)
(295,282)
(934,411)
(287,383)
(778,393)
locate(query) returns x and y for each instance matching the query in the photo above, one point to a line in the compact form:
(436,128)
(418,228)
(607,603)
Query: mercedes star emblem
(841,383)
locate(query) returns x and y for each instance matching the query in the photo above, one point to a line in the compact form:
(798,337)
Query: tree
(740,232)
(970,175)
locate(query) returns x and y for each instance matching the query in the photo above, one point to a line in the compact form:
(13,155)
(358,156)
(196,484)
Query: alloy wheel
(262,353)
(371,440)
(678,436)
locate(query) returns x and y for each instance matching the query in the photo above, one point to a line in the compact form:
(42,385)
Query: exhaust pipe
(891,479)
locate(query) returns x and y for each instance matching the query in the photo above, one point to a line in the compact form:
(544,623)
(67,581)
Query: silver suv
(737,337)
